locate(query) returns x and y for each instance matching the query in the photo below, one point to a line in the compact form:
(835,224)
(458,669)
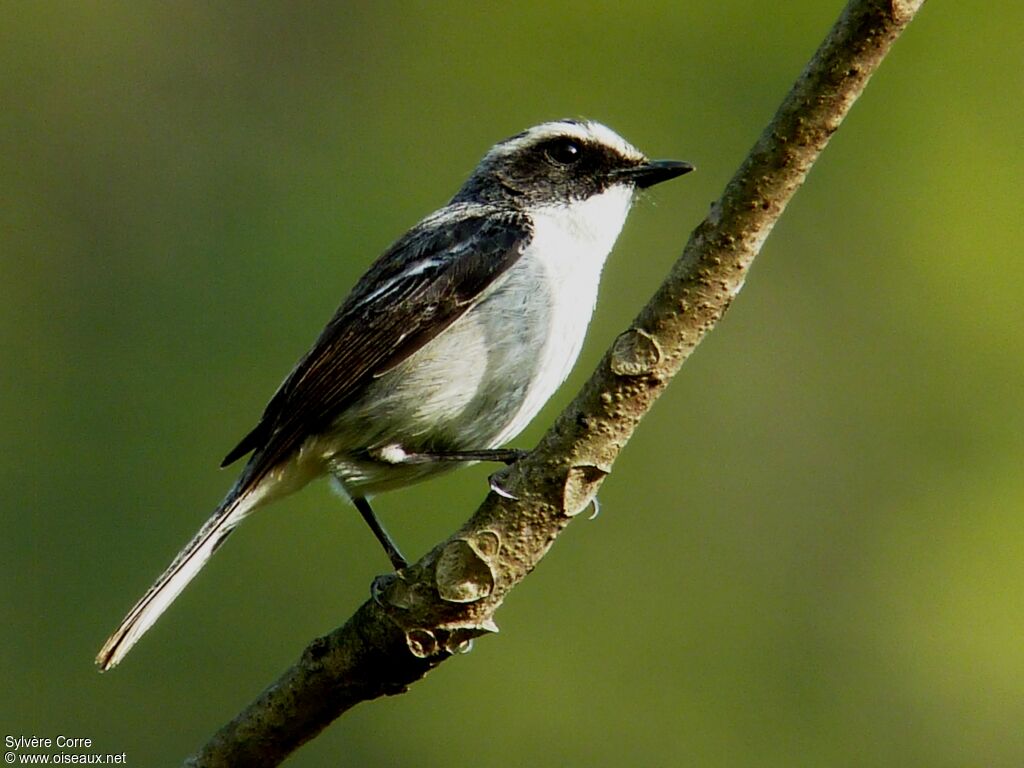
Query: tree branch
(418,618)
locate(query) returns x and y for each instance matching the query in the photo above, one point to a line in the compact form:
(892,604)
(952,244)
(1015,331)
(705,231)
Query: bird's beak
(654,172)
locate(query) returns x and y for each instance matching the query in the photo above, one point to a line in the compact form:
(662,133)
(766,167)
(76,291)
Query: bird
(445,349)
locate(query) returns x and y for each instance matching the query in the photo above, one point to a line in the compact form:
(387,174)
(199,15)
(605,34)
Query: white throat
(581,233)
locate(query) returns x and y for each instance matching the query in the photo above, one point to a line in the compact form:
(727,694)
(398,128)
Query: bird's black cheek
(513,183)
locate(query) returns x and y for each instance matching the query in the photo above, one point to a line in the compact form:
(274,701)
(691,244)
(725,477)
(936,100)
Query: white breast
(571,243)
(482,380)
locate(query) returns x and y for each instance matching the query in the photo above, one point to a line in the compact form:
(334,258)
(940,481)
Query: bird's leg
(390,548)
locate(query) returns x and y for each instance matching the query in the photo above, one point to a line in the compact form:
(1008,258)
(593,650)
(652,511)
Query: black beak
(654,172)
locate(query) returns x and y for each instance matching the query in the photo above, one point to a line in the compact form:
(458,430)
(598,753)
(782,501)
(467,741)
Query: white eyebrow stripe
(584,131)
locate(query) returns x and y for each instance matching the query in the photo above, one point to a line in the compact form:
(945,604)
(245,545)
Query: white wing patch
(418,268)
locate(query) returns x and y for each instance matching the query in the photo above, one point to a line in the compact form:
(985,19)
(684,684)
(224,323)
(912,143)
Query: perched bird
(446,348)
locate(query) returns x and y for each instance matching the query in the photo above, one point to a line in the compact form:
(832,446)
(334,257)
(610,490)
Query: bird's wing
(420,286)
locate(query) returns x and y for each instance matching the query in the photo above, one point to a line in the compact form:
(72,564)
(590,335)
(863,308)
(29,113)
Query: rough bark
(418,618)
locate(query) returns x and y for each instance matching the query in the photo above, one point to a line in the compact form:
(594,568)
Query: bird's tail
(179,573)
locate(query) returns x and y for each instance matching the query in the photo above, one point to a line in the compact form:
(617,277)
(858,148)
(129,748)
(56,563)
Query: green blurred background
(810,554)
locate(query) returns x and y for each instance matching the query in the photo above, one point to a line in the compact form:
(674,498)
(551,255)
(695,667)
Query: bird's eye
(563,151)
